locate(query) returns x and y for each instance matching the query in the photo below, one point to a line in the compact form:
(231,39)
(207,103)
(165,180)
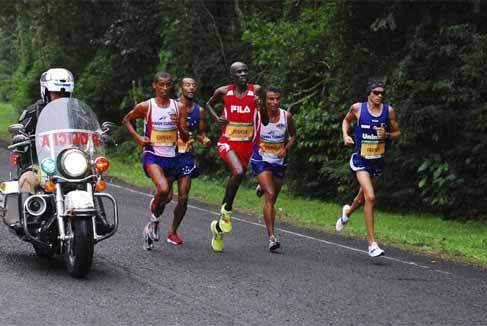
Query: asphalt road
(316,279)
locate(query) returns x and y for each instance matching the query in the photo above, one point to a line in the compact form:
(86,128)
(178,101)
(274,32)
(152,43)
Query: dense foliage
(432,55)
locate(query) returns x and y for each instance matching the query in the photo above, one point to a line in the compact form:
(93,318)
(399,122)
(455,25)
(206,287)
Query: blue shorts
(374,167)
(259,166)
(186,165)
(168,164)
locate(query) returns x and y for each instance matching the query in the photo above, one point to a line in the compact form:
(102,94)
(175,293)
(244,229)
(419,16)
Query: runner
(276,136)
(237,121)
(376,123)
(186,166)
(163,119)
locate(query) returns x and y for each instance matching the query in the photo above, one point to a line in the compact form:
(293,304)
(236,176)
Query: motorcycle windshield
(67,123)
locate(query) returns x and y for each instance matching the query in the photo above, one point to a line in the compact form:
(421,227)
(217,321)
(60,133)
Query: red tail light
(15,159)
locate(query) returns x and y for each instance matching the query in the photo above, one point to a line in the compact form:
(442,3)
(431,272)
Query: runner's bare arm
(139,111)
(217,97)
(205,141)
(291,129)
(395,133)
(183,122)
(350,117)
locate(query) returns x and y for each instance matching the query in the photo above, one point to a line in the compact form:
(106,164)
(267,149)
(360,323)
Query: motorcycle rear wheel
(78,255)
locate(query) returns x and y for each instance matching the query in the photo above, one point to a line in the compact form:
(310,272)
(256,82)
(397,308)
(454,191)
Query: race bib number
(184,147)
(271,148)
(372,149)
(164,138)
(239,131)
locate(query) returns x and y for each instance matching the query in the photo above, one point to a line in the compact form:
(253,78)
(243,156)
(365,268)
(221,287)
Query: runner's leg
(162,184)
(267,184)
(184,186)
(238,172)
(367,186)
(277,189)
(356,203)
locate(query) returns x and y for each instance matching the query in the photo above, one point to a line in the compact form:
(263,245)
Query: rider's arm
(395,133)
(139,111)
(350,117)
(291,130)
(217,97)
(205,141)
(28,120)
(29,117)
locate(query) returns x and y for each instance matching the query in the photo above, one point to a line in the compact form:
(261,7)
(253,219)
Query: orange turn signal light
(102,164)
(15,159)
(101,185)
(49,186)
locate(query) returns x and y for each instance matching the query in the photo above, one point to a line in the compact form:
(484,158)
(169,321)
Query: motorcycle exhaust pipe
(35,205)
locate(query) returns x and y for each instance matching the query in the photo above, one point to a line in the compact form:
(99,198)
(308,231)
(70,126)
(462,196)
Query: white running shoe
(375,250)
(154,232)
(258,191)
(342,220)
(274,244)
(148,243)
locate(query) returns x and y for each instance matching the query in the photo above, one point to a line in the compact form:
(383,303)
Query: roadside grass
(427,234)
(8,115)
(465,242)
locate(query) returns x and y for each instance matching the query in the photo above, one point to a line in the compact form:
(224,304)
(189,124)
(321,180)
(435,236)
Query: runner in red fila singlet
(237,122)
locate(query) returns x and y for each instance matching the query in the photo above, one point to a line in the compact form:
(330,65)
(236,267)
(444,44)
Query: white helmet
(56,80)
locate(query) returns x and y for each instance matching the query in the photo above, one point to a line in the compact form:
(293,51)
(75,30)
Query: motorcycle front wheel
(78,255)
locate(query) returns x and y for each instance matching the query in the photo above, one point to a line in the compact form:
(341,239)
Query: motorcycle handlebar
(24,143)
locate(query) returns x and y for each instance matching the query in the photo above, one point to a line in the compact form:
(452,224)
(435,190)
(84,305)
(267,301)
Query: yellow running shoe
(225,221)
(217,240)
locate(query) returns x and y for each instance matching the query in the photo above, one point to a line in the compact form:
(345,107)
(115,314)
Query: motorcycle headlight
(74,163)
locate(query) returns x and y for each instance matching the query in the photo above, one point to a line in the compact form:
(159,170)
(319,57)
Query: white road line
(330,243)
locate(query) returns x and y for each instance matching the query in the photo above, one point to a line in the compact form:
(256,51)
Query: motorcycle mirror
(16,128)
(107,125)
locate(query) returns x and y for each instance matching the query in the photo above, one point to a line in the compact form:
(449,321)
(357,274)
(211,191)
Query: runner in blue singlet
(376,124)
(186,168)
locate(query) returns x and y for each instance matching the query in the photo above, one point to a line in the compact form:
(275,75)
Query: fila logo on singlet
(239,109)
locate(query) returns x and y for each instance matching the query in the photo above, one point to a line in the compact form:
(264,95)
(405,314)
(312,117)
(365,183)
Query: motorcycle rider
(55,83)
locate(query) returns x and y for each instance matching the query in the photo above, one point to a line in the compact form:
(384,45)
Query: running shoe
(342,220)
(258,191)
(274,244)
(174,239)
(153,229)
(375,250)
(217,240)
(148,243)
(225,221)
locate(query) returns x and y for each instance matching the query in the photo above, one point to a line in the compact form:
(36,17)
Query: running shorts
(260,166)
(167,164)
(186,165)
(374,167)
(243,149)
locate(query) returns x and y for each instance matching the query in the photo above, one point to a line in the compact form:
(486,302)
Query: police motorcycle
(62,209)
